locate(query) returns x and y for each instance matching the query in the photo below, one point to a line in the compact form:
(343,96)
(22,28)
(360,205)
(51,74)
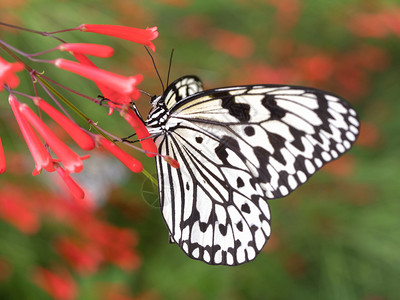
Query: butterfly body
(238,147)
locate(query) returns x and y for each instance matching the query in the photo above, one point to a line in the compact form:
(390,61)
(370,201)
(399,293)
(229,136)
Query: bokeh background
(336,237)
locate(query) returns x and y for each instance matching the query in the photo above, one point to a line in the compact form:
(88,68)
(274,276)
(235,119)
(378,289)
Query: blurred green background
(336,237)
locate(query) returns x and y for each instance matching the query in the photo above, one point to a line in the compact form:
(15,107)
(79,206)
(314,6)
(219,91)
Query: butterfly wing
(181,89)
(237,147)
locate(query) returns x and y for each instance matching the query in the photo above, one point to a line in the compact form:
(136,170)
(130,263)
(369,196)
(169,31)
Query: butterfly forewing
(181,89)
(238,147)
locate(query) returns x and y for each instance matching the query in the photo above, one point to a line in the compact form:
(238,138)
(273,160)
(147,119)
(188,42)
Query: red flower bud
(71,161)
(116,82)
(86,48)
(142,133)
(132,163)
(39,153)
(105,91)
(3,165)
(85,141)
(75,189)
(140,36)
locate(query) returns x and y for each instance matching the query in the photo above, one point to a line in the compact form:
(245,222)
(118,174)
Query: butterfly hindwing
(238,147)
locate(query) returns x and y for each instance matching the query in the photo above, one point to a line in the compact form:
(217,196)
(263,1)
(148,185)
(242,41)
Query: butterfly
(237,148)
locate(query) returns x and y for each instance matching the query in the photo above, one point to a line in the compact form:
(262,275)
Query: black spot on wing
(222,229)
(239,226)
(249,130)
(269,102)
(239,182)
(203,226)
(240,111)
(245,208)
(226,142)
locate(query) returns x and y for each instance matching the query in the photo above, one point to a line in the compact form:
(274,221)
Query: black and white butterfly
(237,148)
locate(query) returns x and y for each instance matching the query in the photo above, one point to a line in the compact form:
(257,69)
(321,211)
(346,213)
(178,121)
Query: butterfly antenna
(170,64)
(155,67)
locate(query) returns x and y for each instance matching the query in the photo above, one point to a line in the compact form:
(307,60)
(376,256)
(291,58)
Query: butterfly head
(154,100)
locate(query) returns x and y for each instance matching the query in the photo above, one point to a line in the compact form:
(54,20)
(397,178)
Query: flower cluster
(51,153)
(82,242)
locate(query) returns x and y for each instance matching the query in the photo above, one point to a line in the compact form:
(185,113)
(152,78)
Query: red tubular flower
(7,73)
(71,161)
(146,141)
(85,141)
(75,189)
(87,48)
(116,82)
(131,117)
(132,163)
(59,286)
(39,153)
(105,91)
(142,133)
(140,36)
(3,165)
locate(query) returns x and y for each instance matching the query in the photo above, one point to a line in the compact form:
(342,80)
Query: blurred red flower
(234,44)
(18,211)
(7,73)
(83,256)
(316,68)
(369,135)
(345,166)
(60,285)
(288,13)
(376,25)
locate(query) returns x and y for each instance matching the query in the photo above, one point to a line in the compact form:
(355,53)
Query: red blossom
(39,153)
(74,188)
(3,165)
(316,68)
(115,243)
(60,285)
(142,133)
(343,167)
(234,44)
(125,259)
(17,211)
(140,36)
(88,49)
(71,161)
(106,91)
(116,82)
(258,72)
(376,25)
(370,136)
(288,13)
(7,73)
(132,163)
(83,257)
(85,141)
